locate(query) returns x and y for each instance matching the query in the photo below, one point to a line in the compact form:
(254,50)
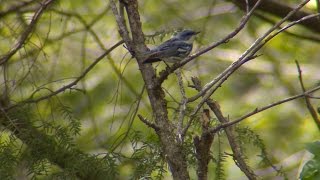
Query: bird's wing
(171,49)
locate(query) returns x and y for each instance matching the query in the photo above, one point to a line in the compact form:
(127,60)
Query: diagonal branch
(242,24)
(15,8)
(258,110)
(311,109)
(281,9)
(70,85)
(248,55)
(244,59)
(202,146)
(24,36)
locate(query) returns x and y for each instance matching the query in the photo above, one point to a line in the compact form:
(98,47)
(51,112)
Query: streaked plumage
(172,50)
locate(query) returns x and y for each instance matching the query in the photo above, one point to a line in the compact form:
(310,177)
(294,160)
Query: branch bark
(203,145)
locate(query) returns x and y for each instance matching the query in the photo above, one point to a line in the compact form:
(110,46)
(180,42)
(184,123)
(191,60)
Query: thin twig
(311,109)
(313,97)
(114,146)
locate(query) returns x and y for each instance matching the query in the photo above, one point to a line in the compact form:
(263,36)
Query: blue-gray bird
(173,50)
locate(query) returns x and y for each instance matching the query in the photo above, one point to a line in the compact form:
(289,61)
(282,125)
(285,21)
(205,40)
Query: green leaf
(311,170)
(314,148)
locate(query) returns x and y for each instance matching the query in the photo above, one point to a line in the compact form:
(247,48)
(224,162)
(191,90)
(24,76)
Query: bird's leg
(155,68)
(168,67)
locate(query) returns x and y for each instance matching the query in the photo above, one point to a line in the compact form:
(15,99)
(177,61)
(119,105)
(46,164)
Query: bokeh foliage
(98,116)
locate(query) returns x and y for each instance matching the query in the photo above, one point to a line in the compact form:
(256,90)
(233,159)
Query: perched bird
(173,50)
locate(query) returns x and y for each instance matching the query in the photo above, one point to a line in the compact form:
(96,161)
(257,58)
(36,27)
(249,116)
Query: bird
(173,50)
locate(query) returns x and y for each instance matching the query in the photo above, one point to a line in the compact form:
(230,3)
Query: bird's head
(186,35)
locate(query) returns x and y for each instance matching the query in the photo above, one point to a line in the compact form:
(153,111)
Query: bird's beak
(197,32)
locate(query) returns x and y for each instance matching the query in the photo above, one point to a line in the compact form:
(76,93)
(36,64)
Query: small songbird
(173,50)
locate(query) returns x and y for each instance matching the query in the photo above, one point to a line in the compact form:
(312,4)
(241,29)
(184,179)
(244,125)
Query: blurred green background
(72,34)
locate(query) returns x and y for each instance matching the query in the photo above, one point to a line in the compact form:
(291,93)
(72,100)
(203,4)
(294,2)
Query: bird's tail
(150,60)
(151,57)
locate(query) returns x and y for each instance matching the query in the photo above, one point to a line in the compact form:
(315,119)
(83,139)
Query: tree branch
(311,109)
